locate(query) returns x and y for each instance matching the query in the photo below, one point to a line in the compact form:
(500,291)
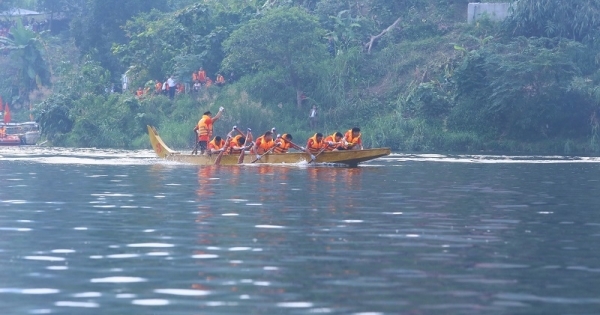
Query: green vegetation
(411,73)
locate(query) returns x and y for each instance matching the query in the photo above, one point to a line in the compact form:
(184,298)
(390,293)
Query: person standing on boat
(204,129)
(352,139)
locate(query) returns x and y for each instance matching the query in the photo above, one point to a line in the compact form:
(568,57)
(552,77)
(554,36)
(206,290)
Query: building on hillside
(494,11)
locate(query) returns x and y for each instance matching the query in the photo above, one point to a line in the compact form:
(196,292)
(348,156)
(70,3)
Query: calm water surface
(119,232)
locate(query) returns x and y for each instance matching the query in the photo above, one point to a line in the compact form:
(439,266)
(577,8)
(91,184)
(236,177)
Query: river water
(120,232)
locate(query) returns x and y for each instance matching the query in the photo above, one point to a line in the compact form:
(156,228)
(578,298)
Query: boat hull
(349,158)
(9,140)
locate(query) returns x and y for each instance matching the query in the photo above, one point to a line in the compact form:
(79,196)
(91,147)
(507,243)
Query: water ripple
(182,292)
(118,280)
(77,304)
(150,302)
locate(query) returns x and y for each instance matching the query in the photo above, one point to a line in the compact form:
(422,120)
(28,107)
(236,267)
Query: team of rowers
(269,142)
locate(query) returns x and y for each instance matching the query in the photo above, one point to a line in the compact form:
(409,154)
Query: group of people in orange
(269,142)
(199,79)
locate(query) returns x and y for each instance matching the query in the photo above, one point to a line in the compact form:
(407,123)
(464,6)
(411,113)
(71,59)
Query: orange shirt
(205,127)
(352,141)
(201,75)
(313,145)
(331,147)
(264,145)
(214,145)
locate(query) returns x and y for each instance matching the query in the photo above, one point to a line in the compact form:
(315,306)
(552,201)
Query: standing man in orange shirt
(204,129)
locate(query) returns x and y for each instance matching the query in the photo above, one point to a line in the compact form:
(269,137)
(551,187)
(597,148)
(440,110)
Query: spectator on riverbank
(171,84)
(312,117)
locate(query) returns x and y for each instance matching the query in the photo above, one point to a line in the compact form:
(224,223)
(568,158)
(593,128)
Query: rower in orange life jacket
(204,129)
(314,145)
(216,145)
(284,143)
(263,144)
(352,139)
(333,142)
(236,145)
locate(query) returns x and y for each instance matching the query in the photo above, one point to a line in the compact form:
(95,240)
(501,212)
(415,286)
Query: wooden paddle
(248,138)
(225,147)
(195,150)
(322,150)
(260,157)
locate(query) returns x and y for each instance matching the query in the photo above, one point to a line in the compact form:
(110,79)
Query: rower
(236,143)
(352,139)
(334,142)
(284,143)
(315,144)
(217,145)
(263,144)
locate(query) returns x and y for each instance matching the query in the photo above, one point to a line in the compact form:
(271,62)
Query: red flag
(6,114)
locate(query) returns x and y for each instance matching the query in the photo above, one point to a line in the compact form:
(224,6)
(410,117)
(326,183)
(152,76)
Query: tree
(180,42)
(577,20)
(99,25)
(30,68)
(285,43)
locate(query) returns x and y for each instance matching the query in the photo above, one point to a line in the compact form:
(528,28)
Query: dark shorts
(202,145)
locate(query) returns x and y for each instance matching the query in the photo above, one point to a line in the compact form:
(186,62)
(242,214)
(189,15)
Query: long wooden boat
(350,158)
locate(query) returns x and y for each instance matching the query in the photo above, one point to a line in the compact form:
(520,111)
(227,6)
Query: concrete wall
(495,11)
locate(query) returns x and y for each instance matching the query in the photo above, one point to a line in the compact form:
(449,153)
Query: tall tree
(29,68)
(99,25)
(287,44)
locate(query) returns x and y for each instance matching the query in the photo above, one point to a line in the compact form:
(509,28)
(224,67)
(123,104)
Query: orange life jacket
(235,142)
(220,79)
(264,144)
(139,92)
(314,146)
(282,145)
(205,128)
(352,141)
(331,139)
(194,77)
(216,145)
(158,86)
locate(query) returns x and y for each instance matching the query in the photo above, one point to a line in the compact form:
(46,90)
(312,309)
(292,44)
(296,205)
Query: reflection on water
(119,232)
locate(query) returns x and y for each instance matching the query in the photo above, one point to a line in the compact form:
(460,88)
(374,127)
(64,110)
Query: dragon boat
(350,157)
